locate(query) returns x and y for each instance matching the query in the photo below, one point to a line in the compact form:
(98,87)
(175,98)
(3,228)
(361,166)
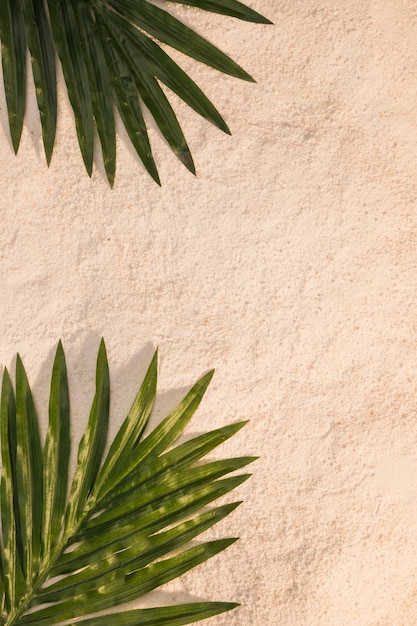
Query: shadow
(81,367)
(32,120)
(125,382)
(81,380)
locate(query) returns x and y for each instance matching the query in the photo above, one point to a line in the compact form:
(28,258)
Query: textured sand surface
(290,265)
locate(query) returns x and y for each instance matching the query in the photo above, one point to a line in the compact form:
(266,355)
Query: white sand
(290,265)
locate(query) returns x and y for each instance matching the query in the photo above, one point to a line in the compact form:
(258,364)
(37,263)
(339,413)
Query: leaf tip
(48,154)
(155,176)
(208,377)
(229,541)
(102,349)
(16,127)
(221,124)
(20,370)
(59,353)
(232,506)
(6,376)
(184,155)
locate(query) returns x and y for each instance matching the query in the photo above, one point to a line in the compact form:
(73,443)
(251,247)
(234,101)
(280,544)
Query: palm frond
(111,58)
(125,528)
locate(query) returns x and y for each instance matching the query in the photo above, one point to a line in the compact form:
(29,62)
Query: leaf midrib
(13,617)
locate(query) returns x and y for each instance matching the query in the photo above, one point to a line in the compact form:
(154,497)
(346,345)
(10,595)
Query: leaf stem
(13,617)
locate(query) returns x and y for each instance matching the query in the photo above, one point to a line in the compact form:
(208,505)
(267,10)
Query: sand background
(289,264)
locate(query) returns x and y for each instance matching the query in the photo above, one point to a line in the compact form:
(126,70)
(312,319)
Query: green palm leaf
(111,58)
(131,517)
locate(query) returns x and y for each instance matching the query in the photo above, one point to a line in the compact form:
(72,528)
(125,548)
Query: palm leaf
(131,518)
(56,454)
(67,41)
(111,58)
(13,57)
(40,44)
(29,475)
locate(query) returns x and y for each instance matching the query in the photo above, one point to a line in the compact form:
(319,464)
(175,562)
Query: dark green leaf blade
(145,53)
(12,545)
(125,555)
(167,29)
(68,45)
(129,587)
(161,616)
(98,73)
(164,116)
(168,430)
(179,457)
(172,426)
(129,433)
(157,103)
(233,8)
(13,58)
(42,53)
(29,474)
(172,501)
(180,83)
(56,454)
(92,444)
(126,98)
(169,505)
